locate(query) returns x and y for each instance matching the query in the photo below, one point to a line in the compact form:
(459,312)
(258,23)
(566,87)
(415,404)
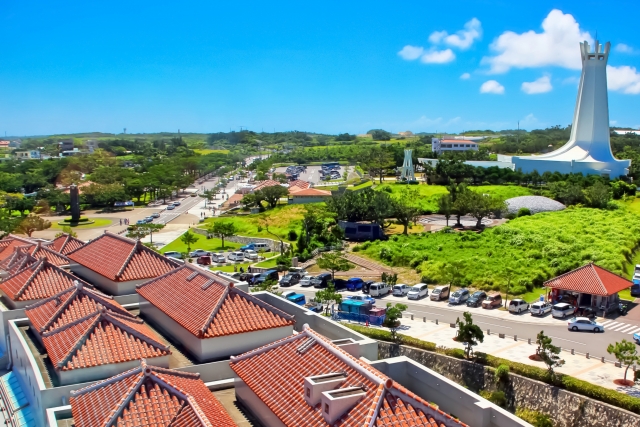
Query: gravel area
(534,203)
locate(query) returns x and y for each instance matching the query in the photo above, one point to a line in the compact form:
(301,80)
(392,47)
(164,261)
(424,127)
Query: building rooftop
(311,192)
(100,338)
(39,280)
(262,184)
(16,262)
(208,305)
(299,183)
(458,141)
(66,243)
(590,279)
(148,396)
(70,305)
(41,251)
(10,242)
(121,259)
(277,374)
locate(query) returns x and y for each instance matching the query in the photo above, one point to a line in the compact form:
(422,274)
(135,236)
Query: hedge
(563,381)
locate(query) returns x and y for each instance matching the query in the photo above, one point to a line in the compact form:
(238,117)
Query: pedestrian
(120,221)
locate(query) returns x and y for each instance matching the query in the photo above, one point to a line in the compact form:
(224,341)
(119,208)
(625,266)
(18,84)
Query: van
(440,293)
(321,280)
(518,306)
(379,289)
(268,275)
(418,291)
(261,246)
(236,256)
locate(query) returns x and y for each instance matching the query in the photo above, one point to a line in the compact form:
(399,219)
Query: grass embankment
(202,243)
(96,223)
(536,248)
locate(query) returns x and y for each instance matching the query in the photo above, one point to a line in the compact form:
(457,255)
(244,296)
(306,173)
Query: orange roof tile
(39,251)
(208,305)
(148,396)
(9,243)
(17,261)
(100,338)
(300,184)
(262,184)
(590,279)
(70,305)
(121,259)
(312,192)
(66,243)
(276,372)
(40,280)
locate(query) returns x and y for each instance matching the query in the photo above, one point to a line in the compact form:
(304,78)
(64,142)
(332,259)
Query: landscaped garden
(202,243)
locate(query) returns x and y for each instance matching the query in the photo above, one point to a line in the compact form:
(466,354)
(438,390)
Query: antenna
(518,133)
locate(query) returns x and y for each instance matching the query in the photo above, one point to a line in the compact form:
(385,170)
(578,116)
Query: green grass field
(202,243)
(205,151)
(97,222)
(268,263)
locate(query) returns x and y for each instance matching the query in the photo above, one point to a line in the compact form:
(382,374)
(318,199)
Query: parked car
(252,255)
(401,290)
(518,306)
(250,246)
(176,203)
(562,310)
(268,275)
(540,308)
(306,281)
(170,207)
(440,293)
(204,260)
(367,285)
(300,270)
(321,280)
(155,215)
(250,278)
(379,289)
(362,298)
(173,254)
(236,256)
(493,300)
(459,296)
(476,299)
(418,291)
(354,284)
(219,258)
(297,299)
(340,284)
(198,252)
(636,337)
(585,324)
(314,306)
(290,279)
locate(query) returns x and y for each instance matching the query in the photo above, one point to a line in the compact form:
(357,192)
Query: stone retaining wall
(565,408)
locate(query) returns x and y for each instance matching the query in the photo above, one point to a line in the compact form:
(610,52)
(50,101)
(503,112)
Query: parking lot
(312,174)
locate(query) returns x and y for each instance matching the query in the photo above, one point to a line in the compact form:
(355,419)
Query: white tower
(407,167)
(588,150)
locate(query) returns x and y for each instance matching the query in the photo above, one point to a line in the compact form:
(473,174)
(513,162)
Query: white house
(448,145)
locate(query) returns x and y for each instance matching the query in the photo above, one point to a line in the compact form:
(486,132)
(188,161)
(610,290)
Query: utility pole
(518,133)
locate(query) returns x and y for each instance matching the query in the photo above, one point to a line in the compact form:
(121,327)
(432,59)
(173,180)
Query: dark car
(290,279)
(250,278)
(476,299)
(268,275)
(321,280)
(340,284)
(367,285)
(355,284)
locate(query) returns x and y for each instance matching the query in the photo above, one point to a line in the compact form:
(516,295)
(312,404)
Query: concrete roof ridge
(45,248)
(214,312)
(127,397)
(372,415)
(70,324)
(260,303)
(269,346)
(134,250)
(37,268)
(121,321)
(79,342)
(417,402)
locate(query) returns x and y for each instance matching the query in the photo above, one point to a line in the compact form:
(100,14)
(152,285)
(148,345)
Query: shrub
(293,236)
(502,372)
(356,248)
(497,397)
(524,212)
(82,219)
(535,418)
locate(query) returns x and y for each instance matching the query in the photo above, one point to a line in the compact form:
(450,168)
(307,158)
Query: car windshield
(398,287)
(491,298)
(436,291)
(477,294)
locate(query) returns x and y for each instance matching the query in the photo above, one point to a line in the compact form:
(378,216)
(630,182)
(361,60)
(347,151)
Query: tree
(379,135)
(273,194)
(548,353)
(264,222)
(188,239)
(459,208)
(480,205)
(328,295)
(468,333)
(67,230)
(625,352)
(333,261)
(445,206)
(376,160)
(392,318)
(452,273)
(139,231)
(270,286)
(8,223)
(404,208)
(222,229)
(33,223)
(598,195)
(508,274)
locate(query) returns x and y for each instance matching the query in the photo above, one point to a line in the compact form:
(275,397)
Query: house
(16,143)
(116,264)
(306,380)
(298,184)
(440,146)
(209,315)
(309,195)
(10,242)
(65,244)
(588,286)
(148,396)
(4,144)
(264,184)
(38,281)
(65,145)
(39,250)
(29,154)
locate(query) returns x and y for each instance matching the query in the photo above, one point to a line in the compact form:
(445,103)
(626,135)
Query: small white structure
(440,146)
(588,150)
(407,167)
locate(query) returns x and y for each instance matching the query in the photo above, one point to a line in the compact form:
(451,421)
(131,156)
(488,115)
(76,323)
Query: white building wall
(96,373)
(107,286)
(257,407)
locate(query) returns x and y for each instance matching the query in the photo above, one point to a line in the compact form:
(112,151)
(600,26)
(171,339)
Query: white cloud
(624,48)
(411,52)
(426,122)
(624,79)
(492,86)
(465,76)
(573,80)
(541,85)
(529,120)
(556,45)
(438,56)
(462,39)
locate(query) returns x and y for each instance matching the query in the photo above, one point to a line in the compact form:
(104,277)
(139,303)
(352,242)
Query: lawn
(202,243)
(536,248)
(97,222)
(205,151)
(268,263)
(361,186)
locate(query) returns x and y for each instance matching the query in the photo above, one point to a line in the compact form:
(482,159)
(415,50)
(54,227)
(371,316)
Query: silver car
(540,308)
(562,310)
(584,324)
(401,290)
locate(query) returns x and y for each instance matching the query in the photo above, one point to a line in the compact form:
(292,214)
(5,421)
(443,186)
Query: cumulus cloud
(541,85)
(624,48)
(465,76)
(438,56)
(410,53)
(492,86)
(462,39)
(623,79)
(557,45)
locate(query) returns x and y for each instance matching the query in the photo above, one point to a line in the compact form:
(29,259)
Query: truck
(314,306)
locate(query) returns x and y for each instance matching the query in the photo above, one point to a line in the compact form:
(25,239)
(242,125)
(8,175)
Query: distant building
(91,145)
(30,154)
(65,145)
(4,144)
(16,143)
(406,133)
(626,131)
(447,145)
(308,195)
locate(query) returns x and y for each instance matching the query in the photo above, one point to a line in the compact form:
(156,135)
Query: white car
(379,289)
(562,310)
(362,298)
(173,254)
(418,291)
(236,256)
(540,308)
(518,306)
(249,254)
(585,324)
(400,290)
(306,280)
(199,252)
(219,258)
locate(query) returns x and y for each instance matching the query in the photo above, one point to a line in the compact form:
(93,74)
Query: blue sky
(346,66)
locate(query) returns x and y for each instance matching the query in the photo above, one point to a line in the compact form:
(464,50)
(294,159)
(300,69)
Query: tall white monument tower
(407,167)
(588,151)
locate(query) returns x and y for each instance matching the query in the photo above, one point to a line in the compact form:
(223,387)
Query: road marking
(607,322)
(563,339)
(620,327)
(610,324)
(628,328)
(633,332)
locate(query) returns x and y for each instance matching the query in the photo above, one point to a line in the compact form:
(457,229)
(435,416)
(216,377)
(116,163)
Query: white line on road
(634,331)
(619,328)
(609,325)
(628,328)
(492,324)
(607,322)
(563,339)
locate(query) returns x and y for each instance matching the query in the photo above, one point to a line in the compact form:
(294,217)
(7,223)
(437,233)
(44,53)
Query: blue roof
(17,404)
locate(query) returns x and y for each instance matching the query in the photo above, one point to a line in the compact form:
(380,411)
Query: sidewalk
(576,365)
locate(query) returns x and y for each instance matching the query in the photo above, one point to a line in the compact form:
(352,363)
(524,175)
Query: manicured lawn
(202,243)
(97,222)
(361,186)
(205,151)
(229,268)
(268,263)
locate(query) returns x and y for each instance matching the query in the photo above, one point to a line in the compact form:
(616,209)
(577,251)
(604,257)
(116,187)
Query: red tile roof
(590,279)
(121,259)
(65,244)
(9,243)
(210,306)
(276,372)
(39,251)
(300,184)
(40,280)
(262,184)
(100,338)
(151,397)
(16,262)
(312,192)
(70,305)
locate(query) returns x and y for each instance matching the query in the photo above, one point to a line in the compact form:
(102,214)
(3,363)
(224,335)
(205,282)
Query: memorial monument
(407,167)
(588,150)
(75,202)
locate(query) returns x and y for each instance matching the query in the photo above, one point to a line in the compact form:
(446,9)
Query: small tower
(407,167)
